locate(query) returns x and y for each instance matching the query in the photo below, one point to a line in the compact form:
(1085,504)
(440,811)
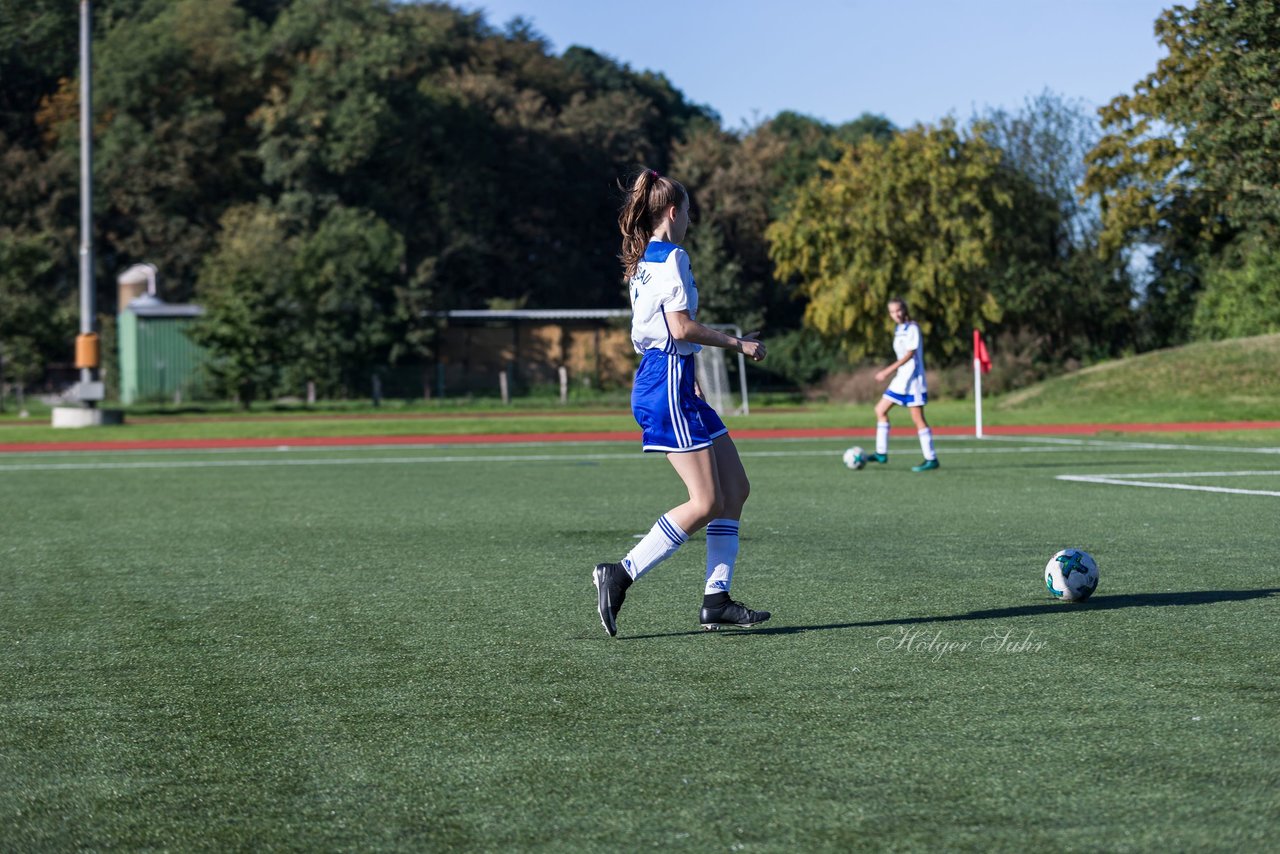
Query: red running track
(617,436)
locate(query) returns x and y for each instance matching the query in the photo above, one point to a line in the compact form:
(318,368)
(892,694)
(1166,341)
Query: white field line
(134,464)
(374,460)
(983,445)
(261,458)
(1132,480)
(1121,445)
(314,461)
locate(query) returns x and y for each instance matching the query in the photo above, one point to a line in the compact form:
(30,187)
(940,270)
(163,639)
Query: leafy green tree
(503,155)
(487,158)
(344,278)
(39,48)
(723,296)
(1188,161)
(742,181)
(1241,295)
(917,216)
(35,306)
(246,289)
(731,183)
(174,90)
(807,142)
(1056,292)
(1047,140)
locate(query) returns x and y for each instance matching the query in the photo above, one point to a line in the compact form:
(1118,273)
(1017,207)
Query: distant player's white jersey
(910,377)
(663,282)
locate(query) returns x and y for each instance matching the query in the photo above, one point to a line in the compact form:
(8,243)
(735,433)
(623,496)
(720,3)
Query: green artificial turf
(397,649)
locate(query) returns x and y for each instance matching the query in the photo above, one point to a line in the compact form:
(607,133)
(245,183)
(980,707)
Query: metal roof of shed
(149,306)
(536,314)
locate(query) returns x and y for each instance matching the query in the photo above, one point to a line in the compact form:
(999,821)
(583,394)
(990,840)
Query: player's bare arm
(885,373)
(685,328)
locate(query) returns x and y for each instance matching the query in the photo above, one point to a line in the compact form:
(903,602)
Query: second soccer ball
(1071,575)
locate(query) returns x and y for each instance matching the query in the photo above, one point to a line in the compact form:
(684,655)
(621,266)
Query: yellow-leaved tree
(926,215)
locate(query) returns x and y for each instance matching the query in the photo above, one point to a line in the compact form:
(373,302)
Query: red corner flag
(980,352)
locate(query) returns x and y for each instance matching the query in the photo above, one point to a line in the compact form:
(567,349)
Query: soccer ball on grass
(1071,575)
(854,459)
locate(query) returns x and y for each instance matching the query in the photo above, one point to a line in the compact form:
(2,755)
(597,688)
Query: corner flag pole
(981,364)
(977,397)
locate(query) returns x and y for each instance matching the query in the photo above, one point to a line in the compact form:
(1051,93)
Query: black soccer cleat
(876,458)
(611,582)
(730,614)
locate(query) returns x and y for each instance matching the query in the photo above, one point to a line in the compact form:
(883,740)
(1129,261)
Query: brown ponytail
(648,200)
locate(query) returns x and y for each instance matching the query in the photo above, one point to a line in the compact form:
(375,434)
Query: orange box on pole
(87,350)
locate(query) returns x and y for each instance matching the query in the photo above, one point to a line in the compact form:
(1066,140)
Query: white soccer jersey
(663,282)
(910,377)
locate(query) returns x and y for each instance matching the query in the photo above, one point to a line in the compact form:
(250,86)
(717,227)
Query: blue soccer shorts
(672,417)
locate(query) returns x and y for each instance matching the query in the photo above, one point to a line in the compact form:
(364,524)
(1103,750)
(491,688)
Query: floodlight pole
(87,290)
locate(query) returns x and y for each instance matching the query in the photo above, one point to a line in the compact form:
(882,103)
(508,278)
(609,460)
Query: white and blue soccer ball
(1071,575)
(854,458)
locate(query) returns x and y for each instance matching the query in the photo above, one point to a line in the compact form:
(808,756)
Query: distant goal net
(712,372)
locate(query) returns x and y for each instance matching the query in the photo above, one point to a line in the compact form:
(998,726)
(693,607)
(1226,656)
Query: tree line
(323,175)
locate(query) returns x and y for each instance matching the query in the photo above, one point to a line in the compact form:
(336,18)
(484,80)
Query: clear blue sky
(910,60)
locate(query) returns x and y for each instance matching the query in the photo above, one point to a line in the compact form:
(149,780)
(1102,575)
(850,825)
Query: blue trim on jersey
(658,251)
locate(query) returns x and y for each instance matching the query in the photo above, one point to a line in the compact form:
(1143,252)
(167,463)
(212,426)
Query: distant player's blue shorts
(907,391)
(917,399)
(673,418)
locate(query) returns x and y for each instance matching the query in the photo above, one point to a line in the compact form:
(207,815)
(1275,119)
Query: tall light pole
(88,391)
(87,355)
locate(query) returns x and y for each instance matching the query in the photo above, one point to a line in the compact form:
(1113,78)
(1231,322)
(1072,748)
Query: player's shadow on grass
(1102,603)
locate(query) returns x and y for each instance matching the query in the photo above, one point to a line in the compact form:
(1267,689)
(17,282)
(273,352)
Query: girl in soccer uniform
(906,389)
(675,421)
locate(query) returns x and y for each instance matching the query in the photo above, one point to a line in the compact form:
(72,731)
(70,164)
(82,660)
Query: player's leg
(697,469)
(882,430)
(665,428)
(722,533)
(718,609)
(926,440)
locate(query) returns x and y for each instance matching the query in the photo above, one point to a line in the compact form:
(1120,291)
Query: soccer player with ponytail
(674,420)
(907,388)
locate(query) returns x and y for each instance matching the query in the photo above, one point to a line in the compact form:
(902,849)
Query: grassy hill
(1220,381)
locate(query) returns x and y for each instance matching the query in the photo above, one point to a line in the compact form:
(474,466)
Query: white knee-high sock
(659,544)
(882,437)
(926,443)
(722,554)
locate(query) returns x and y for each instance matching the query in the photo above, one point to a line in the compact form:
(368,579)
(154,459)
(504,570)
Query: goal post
(712,372)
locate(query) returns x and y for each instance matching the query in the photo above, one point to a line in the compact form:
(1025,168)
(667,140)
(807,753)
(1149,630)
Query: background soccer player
(674,420)
(907,388)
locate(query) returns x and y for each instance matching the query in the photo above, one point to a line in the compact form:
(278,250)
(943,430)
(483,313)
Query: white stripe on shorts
(679,424)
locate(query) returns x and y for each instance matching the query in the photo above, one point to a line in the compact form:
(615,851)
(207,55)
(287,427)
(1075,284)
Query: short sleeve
(678,288)
(912,338)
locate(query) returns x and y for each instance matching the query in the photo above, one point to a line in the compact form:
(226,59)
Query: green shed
(158,362)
